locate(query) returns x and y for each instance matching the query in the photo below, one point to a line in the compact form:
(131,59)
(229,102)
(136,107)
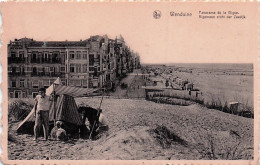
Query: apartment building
(93,63)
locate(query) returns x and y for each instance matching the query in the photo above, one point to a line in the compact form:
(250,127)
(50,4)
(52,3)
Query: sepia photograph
(94,81)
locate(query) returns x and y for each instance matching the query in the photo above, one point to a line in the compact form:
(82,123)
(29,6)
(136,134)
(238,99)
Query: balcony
(16,60)
(16,74)
(44,74)
(49,60)
(37,60)
(46,60)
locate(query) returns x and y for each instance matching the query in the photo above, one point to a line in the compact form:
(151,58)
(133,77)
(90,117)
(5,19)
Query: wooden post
(54,106)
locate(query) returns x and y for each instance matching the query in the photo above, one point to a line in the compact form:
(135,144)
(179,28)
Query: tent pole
(97,116)
(54,106)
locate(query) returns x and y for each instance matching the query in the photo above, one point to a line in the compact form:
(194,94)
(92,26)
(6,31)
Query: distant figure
(190,92)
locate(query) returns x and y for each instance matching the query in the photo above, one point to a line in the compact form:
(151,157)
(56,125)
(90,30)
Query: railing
(43,74)
(17,74)
(16,60)
(43,60)
(35,60)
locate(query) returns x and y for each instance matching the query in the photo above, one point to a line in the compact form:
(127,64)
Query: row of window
(17,94)
(78,68)
(34,83)
(74,68)
(47,83)
(78,55)
(36,69)
(21,94)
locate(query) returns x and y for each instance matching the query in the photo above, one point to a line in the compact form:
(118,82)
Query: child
(60,133)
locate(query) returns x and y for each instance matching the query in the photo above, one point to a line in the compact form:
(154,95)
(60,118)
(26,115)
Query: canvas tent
(68,90)
(65,107)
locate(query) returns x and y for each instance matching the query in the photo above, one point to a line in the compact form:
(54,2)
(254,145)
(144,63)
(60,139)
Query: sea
(248,67)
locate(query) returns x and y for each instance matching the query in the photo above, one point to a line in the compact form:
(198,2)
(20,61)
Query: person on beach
(60,133)
(102,123)
(41,107)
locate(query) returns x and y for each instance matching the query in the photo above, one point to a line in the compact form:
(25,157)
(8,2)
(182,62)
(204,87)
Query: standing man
(42,107)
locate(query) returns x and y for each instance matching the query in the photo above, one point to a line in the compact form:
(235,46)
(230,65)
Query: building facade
(93,63)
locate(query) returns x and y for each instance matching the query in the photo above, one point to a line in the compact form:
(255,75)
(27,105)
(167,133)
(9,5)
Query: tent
(68,90)
(65,107)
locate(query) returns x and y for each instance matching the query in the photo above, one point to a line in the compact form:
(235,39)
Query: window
(78,68)
(40,69)
(13,69)
(34,94)
(78,83)
(22,70)
(13,54)
(47,69)
(17,94)
(21,54)
(35,84)
(71,83)
(98,58)
(46,83)
(34,54)
(63,82)
(72,68)
(91,75)
(34,70)
(18,69)
(72,54)
(45,57)
(13,84)
(85,54)
(55,56)
(28,69)
(85,83)
(91,69)
(91,59)
(21,83)
(85,68)
(78,55)
(51,69)
(62,69)
(11,95)
(57,69)
(9,69)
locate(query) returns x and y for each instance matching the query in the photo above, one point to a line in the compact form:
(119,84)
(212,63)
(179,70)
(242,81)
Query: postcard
(130,82)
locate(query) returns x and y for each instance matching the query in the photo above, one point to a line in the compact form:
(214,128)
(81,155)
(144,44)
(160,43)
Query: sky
(164,40)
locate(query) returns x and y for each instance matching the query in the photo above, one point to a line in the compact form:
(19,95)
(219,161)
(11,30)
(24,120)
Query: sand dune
(130,135)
